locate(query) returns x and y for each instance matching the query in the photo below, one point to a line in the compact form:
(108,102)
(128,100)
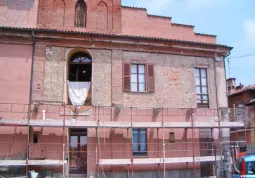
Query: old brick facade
(40,36)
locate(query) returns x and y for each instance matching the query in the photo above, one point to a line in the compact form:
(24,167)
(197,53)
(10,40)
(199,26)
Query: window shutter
(150,78)
(126,77)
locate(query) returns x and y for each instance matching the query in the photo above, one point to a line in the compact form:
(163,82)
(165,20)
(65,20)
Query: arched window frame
(80,14)
(77,59)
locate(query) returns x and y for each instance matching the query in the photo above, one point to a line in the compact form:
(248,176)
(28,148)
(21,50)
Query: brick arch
(59,13)
(102,16)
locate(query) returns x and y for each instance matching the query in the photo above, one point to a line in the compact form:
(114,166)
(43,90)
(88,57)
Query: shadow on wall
(18,5)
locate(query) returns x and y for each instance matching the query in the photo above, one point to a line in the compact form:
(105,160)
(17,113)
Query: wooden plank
(138,161)
(93,124)
(32,162)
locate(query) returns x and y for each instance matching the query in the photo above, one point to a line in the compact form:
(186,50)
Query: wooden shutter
(126,77)
(150,78)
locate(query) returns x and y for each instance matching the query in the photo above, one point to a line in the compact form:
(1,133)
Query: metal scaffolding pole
(64,120)
(163,143)
(132,157)
(193,144)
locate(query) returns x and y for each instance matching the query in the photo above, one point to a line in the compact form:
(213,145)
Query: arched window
(79,79)
(80,67)
(80,14)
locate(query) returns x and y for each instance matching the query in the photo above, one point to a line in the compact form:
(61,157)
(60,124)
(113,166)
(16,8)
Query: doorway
(78,151)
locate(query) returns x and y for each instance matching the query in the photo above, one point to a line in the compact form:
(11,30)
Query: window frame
(137,77)
(138,152)
(202,101)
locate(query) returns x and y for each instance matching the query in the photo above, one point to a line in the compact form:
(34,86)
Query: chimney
(231,85)
(239,87)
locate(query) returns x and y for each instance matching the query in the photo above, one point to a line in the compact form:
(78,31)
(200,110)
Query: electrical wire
(241,56)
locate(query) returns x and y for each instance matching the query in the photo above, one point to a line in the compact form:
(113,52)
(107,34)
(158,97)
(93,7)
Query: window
(80,74)
(202,87)
(138,77)
(35,137)
(80,67)
(243,149)
(80,14)
(250,168)
(140,142)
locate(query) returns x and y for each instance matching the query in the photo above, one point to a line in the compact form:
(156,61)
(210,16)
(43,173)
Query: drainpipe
(30,100)
(226,73)
(32,67)
(225,149)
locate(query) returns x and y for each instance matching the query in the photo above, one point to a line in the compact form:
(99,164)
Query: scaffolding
(46,114)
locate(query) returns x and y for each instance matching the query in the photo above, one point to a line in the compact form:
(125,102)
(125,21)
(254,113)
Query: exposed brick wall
(174,77)
(59,13)
(54,74)
(101,77)
(174,81)
(241,98)
(107,16)
(102,16)
(18,13)
(38,73)
(137,22)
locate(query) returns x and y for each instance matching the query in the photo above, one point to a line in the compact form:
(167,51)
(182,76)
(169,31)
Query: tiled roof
(204,34)
(142,8)
(131,7)
(247,88)
(113,35)
(160,16)
(179,24)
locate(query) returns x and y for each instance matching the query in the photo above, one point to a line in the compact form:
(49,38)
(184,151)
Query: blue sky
(233,21)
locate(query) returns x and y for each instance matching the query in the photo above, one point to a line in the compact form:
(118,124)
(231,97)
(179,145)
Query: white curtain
(78,92)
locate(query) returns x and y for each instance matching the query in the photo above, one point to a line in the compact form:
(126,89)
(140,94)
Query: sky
(233,21)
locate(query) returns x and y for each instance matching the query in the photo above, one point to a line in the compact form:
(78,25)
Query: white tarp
(78,92)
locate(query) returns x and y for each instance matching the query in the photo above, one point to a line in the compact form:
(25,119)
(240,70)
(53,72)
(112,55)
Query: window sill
(139,155)
(138,92)
(203,106)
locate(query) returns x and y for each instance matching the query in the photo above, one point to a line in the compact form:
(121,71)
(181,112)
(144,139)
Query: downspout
(227,174)
(226,73)
(30,100)
(217,105)
(32,67)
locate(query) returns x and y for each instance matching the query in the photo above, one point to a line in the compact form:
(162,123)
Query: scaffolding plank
(72,123)
(32,162)
(138,161)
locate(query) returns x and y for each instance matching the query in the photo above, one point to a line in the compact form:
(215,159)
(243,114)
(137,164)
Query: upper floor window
(202,87)
(140,141)
(80,13)
(138,77)
(80,67)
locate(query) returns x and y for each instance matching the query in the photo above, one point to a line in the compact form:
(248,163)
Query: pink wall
(15,67)
(18,13)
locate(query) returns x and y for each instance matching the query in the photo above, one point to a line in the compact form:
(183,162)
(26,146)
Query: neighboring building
(241,100)
(152,90)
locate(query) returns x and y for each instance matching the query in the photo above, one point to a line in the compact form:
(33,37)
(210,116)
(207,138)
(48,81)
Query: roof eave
(115,36)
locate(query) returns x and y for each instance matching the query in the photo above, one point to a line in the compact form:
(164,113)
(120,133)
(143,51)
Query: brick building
(155,89)
(241,99)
